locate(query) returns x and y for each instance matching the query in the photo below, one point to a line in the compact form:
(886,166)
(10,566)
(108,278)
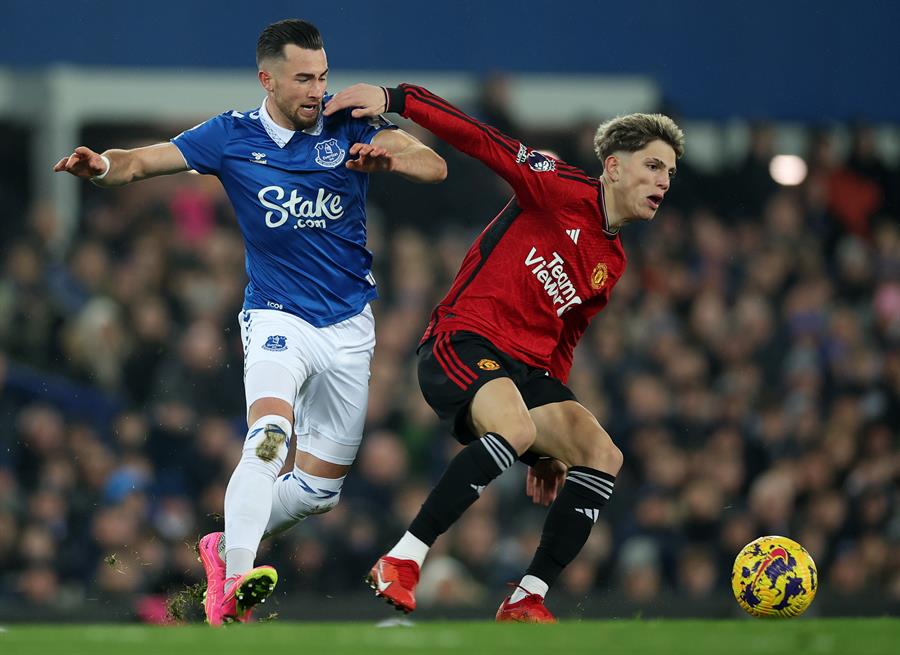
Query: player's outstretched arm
(525,170)
(118,167)
(399,152)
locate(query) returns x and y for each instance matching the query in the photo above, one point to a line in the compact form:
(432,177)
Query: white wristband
(103,174)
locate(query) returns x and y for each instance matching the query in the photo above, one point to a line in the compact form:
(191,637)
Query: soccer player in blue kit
(297,181)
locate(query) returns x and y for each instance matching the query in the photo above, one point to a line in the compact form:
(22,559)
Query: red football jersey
(545,265)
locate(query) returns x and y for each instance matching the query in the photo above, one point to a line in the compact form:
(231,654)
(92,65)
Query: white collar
(282,135)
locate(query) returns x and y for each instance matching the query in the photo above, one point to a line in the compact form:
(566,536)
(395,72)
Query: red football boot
(395,580)
(530,609)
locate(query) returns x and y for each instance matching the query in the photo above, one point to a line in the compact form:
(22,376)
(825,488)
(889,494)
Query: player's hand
(84,162)
(544,480)
(369,159)
(368,100)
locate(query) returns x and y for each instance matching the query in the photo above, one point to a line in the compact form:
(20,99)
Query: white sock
(238,561)
(410,547)
(532,585)
(248,498)
(298,494)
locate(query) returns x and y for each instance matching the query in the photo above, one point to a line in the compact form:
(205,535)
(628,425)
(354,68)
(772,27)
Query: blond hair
(632,132)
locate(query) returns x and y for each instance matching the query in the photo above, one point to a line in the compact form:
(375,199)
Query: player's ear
(265,79)
(611,167)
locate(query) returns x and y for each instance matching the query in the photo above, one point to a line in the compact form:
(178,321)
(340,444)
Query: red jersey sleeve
(528,172)
(574,324)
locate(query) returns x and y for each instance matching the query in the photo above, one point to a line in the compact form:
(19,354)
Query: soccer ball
(774,577)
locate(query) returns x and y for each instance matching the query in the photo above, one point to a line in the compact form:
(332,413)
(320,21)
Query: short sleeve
(203,145)
(363,130)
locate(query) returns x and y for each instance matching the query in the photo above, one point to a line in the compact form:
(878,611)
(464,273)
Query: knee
(520,434)
(595,448)
(267,442)
(313,496)
(323,504)
(611,457)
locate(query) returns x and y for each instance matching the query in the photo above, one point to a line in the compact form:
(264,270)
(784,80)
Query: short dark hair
(292,30)
(632,132)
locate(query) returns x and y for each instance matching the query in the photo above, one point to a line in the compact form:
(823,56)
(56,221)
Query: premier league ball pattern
(774,577)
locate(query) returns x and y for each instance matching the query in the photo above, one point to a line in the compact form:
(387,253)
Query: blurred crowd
(748,366)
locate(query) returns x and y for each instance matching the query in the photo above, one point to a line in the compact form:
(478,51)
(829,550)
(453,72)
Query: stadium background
(748,364)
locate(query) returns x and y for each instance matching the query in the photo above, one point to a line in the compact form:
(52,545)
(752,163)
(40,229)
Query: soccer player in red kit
(496,355)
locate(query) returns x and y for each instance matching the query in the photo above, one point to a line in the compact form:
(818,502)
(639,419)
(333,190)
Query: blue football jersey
(301,211)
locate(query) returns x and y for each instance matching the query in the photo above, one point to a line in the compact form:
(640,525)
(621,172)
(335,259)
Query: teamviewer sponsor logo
(552,274)
(308,212)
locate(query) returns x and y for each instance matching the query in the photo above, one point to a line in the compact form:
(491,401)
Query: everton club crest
(276,343)
(329,154)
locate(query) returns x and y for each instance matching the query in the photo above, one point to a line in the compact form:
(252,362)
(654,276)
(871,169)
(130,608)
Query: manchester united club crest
(598,277)
(487,365)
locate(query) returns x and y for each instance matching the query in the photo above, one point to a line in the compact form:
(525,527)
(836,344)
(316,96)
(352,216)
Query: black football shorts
(453,366)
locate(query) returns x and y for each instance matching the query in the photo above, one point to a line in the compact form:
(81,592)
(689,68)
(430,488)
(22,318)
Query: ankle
(529,585)
(238,561)
(230,582)
(409,547)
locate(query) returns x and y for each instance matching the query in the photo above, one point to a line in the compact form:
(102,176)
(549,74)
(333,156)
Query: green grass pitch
(792,637)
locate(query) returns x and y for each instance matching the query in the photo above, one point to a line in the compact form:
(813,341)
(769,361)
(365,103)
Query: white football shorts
(322,372)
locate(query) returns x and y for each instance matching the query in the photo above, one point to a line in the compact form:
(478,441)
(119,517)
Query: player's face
(296,84)
(645,178)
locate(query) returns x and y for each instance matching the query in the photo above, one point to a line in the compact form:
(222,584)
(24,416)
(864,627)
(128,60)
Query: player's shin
(462,483)
(299,494)
(249,493)
(567,527)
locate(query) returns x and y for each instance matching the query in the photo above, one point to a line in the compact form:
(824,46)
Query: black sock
(569,521)
(461,485)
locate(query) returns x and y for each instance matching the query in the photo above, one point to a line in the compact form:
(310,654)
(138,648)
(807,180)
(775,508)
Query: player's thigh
(570,433)
(330,415)
(468,383)
(267,406)
(279,355)
(309,463)
(331,406)
(498,407)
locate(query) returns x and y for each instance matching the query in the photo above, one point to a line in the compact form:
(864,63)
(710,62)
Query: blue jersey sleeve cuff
(185,155)
(387,126)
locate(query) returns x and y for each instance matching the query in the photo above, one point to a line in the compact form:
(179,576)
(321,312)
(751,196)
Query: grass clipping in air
(186,605)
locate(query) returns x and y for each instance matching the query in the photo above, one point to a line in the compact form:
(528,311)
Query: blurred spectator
(750,184)
(697,572)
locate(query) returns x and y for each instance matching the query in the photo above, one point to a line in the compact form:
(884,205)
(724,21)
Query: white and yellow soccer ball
(774,577)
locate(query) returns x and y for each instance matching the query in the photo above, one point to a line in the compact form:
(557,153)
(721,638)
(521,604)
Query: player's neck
(277,117)
(610,206)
